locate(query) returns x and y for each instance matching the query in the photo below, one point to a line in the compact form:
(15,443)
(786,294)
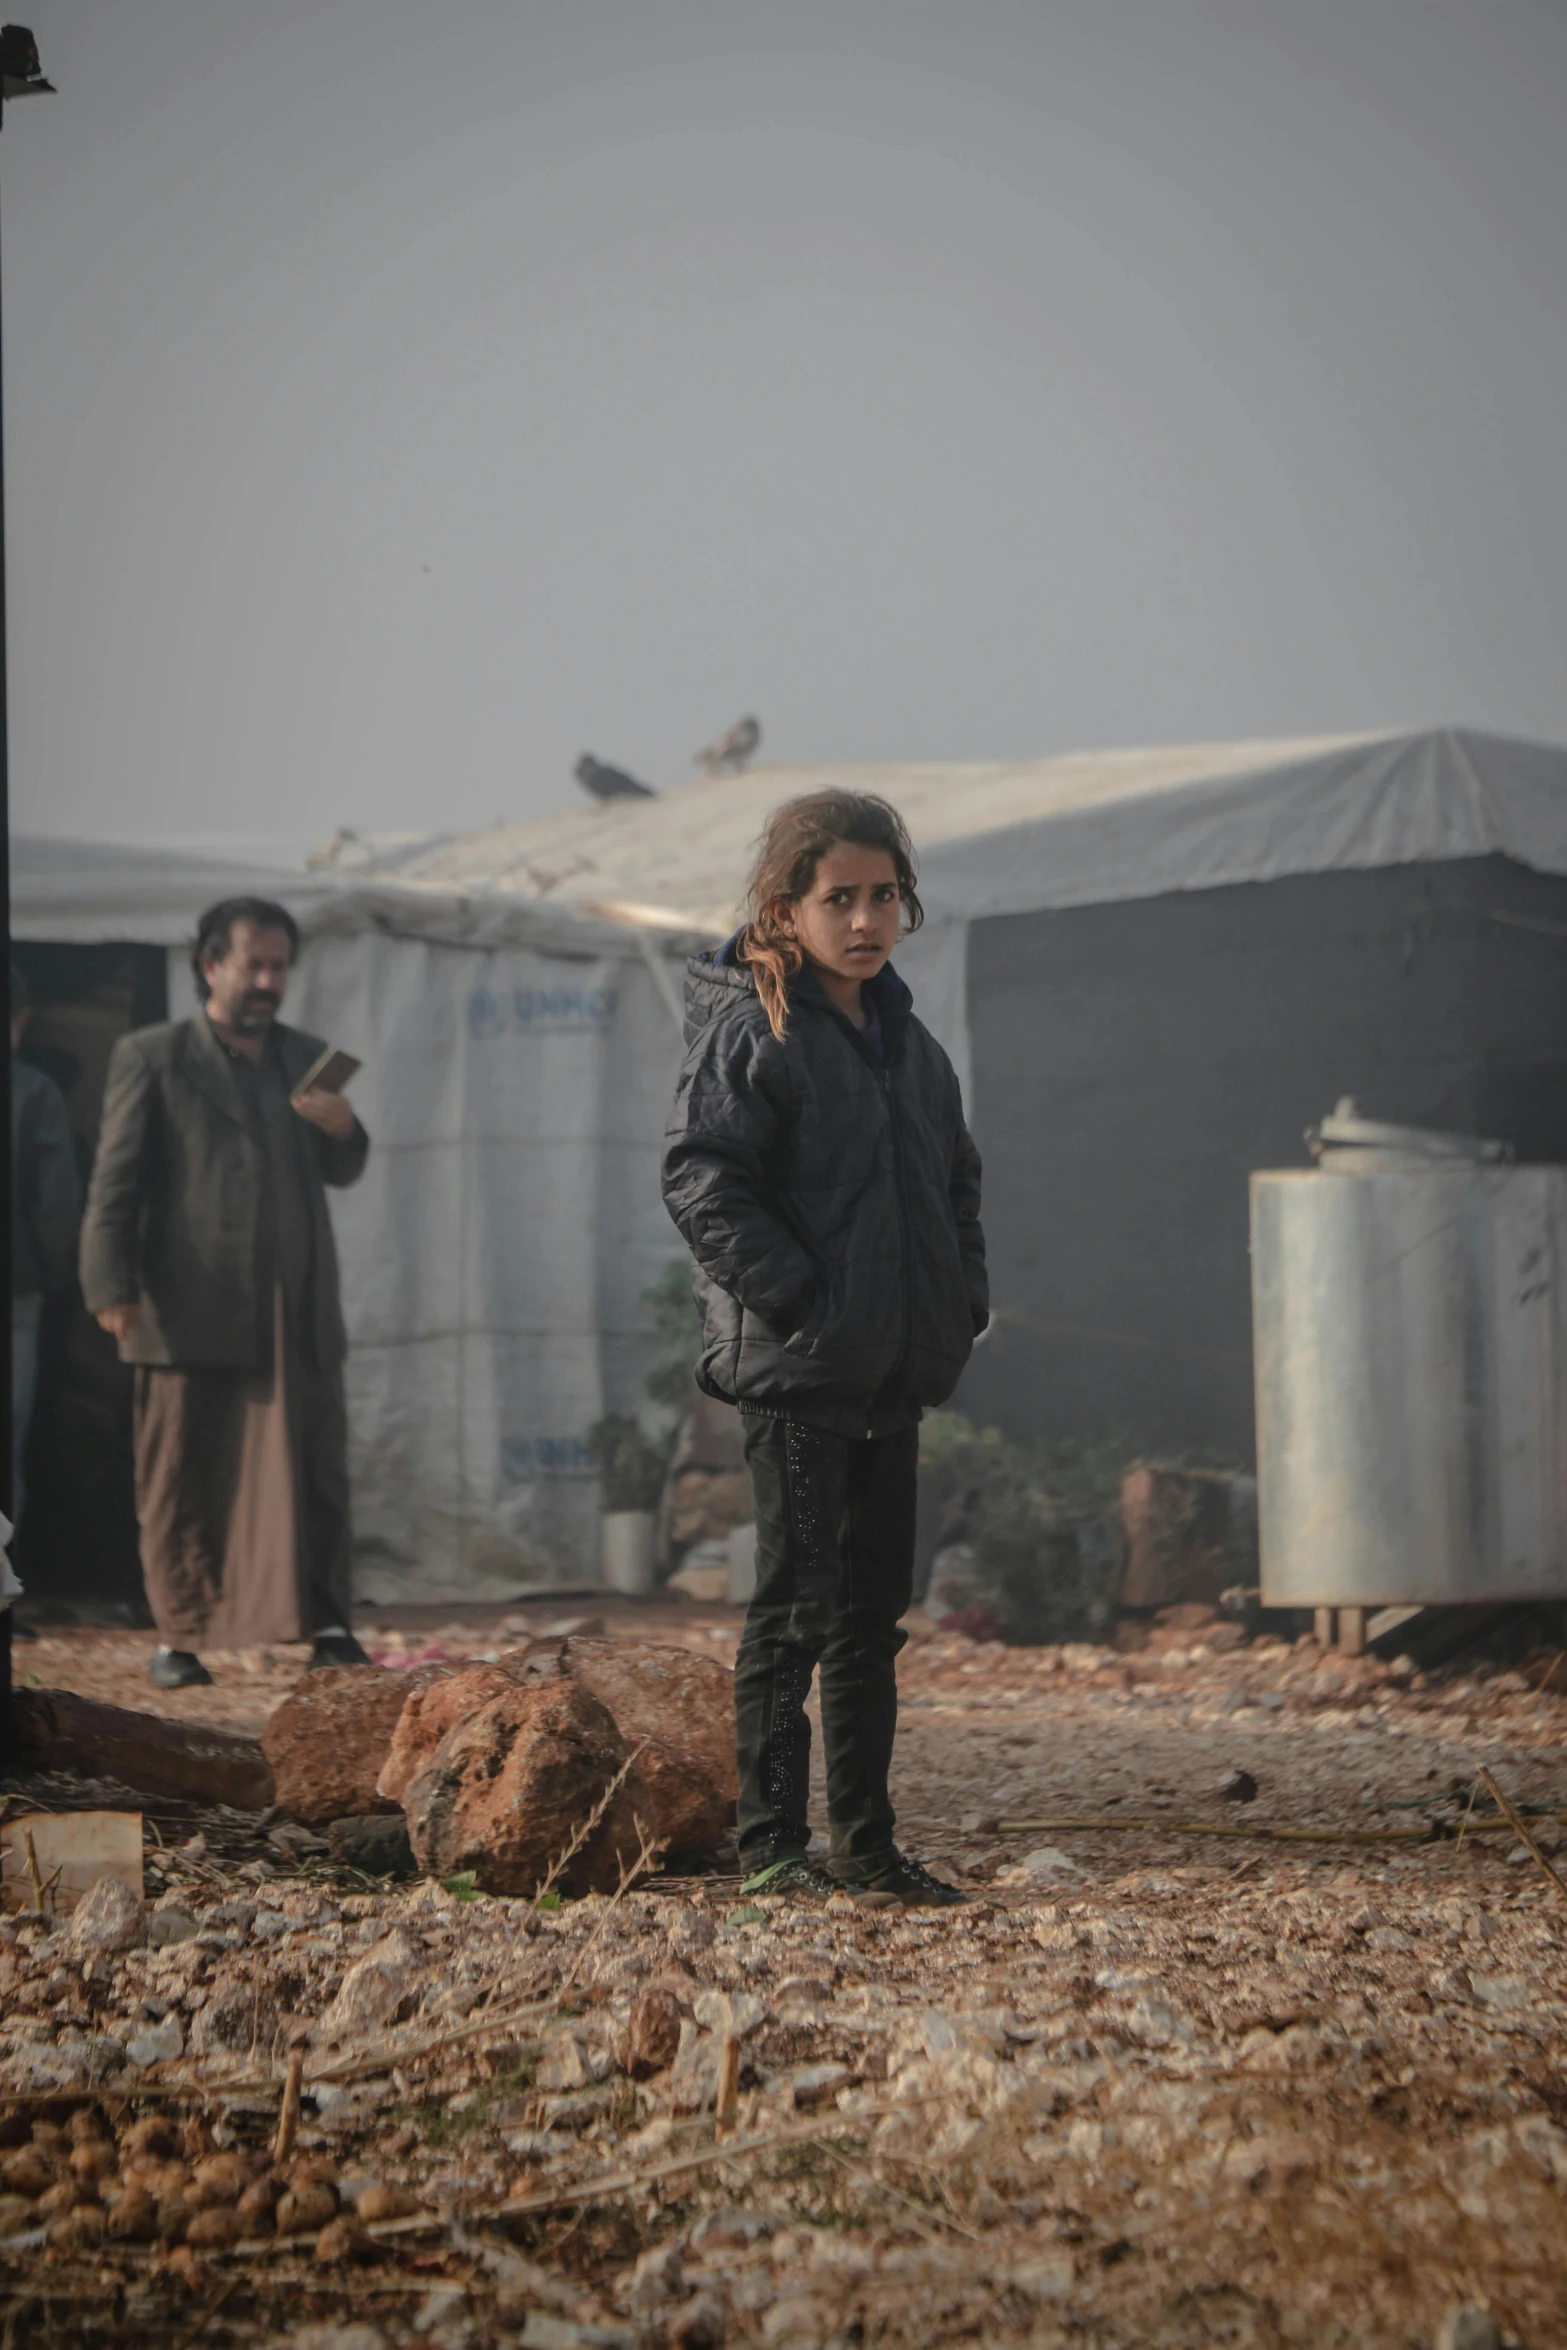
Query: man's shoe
(177,1668)
(794,1878)
(897,1879)
(336,1648)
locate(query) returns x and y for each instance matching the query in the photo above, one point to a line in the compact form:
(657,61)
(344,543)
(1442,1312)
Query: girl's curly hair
(797,837)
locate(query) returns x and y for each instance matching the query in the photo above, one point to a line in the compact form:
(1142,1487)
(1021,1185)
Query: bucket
(628,1552)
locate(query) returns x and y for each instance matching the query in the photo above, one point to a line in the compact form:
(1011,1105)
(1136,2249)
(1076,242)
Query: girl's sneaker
(793,1878)
(902,1880)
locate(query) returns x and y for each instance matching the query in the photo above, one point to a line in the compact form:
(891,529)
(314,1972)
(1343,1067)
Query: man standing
(207,1252)
(46,1208)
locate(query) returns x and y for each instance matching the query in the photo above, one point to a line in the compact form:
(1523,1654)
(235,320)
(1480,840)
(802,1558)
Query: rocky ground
(1150,2086)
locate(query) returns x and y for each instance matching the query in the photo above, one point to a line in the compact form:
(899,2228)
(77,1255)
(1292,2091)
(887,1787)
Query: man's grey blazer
(174,1204)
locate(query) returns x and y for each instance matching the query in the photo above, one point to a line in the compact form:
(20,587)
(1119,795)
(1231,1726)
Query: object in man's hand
(330,1074)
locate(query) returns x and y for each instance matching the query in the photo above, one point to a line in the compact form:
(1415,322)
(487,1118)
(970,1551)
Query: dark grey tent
(1167,978)
(1133,1063)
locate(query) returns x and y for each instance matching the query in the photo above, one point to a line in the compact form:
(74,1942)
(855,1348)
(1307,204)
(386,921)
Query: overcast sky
(403,398)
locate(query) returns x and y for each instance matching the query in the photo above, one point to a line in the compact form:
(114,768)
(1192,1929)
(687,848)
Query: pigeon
(609,783)
(732,751)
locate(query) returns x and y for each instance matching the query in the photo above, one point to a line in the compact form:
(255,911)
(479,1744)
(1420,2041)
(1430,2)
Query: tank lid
(1346,1143)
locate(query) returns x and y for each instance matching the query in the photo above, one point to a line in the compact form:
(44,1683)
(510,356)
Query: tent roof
(88,891)
(1007,837)
(1085,828)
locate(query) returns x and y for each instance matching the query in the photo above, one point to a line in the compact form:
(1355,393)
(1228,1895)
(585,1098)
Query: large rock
(679,1708)
(442,1702)
(1175,1524)
(517,1766)
(671,1710)
(704,1504)
(328,1741)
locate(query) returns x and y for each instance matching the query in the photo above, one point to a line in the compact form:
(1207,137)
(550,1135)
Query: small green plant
(464,1886)
(677,1327)
(632,1464)
(1037,1523)
(438,2126)
(547,1901)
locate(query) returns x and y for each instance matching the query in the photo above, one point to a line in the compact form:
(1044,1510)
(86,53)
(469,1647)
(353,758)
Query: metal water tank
(1409,1311)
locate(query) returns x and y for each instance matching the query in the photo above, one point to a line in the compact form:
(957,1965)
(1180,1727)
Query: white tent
(519,1059)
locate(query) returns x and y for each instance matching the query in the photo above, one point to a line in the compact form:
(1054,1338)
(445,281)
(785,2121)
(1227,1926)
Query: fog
(402,399)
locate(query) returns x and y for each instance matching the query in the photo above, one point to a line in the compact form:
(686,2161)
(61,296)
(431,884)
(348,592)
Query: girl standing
(821,1174)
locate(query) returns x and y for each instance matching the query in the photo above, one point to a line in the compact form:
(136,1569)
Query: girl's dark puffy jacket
(831,1204)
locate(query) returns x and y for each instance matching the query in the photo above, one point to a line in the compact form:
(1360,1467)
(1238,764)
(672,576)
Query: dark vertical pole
(6,1170)
(21,68)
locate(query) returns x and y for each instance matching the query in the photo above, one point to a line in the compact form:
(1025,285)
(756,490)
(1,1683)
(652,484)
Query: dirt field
(1150,2086)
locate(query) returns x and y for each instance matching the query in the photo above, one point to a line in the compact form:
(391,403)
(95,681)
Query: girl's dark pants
(834,1573)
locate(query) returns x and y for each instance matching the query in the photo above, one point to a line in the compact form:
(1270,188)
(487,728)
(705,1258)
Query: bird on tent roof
(733,750)
(609,783)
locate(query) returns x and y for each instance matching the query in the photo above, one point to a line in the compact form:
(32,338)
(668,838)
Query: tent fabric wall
(1138,1061)
(935,961)
(496,1251)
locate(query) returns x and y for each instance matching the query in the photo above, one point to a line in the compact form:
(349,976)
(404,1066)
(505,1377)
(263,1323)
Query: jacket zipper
(905,1242)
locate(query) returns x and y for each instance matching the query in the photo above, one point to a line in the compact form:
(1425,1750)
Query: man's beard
(257,1009)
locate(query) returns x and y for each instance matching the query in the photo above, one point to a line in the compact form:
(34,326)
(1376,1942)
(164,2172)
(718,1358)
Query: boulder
(1176,1525)
(442,1702)
(705,1503)
(671,1710)
(328,1741)
(679,1709)
(516,1767)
